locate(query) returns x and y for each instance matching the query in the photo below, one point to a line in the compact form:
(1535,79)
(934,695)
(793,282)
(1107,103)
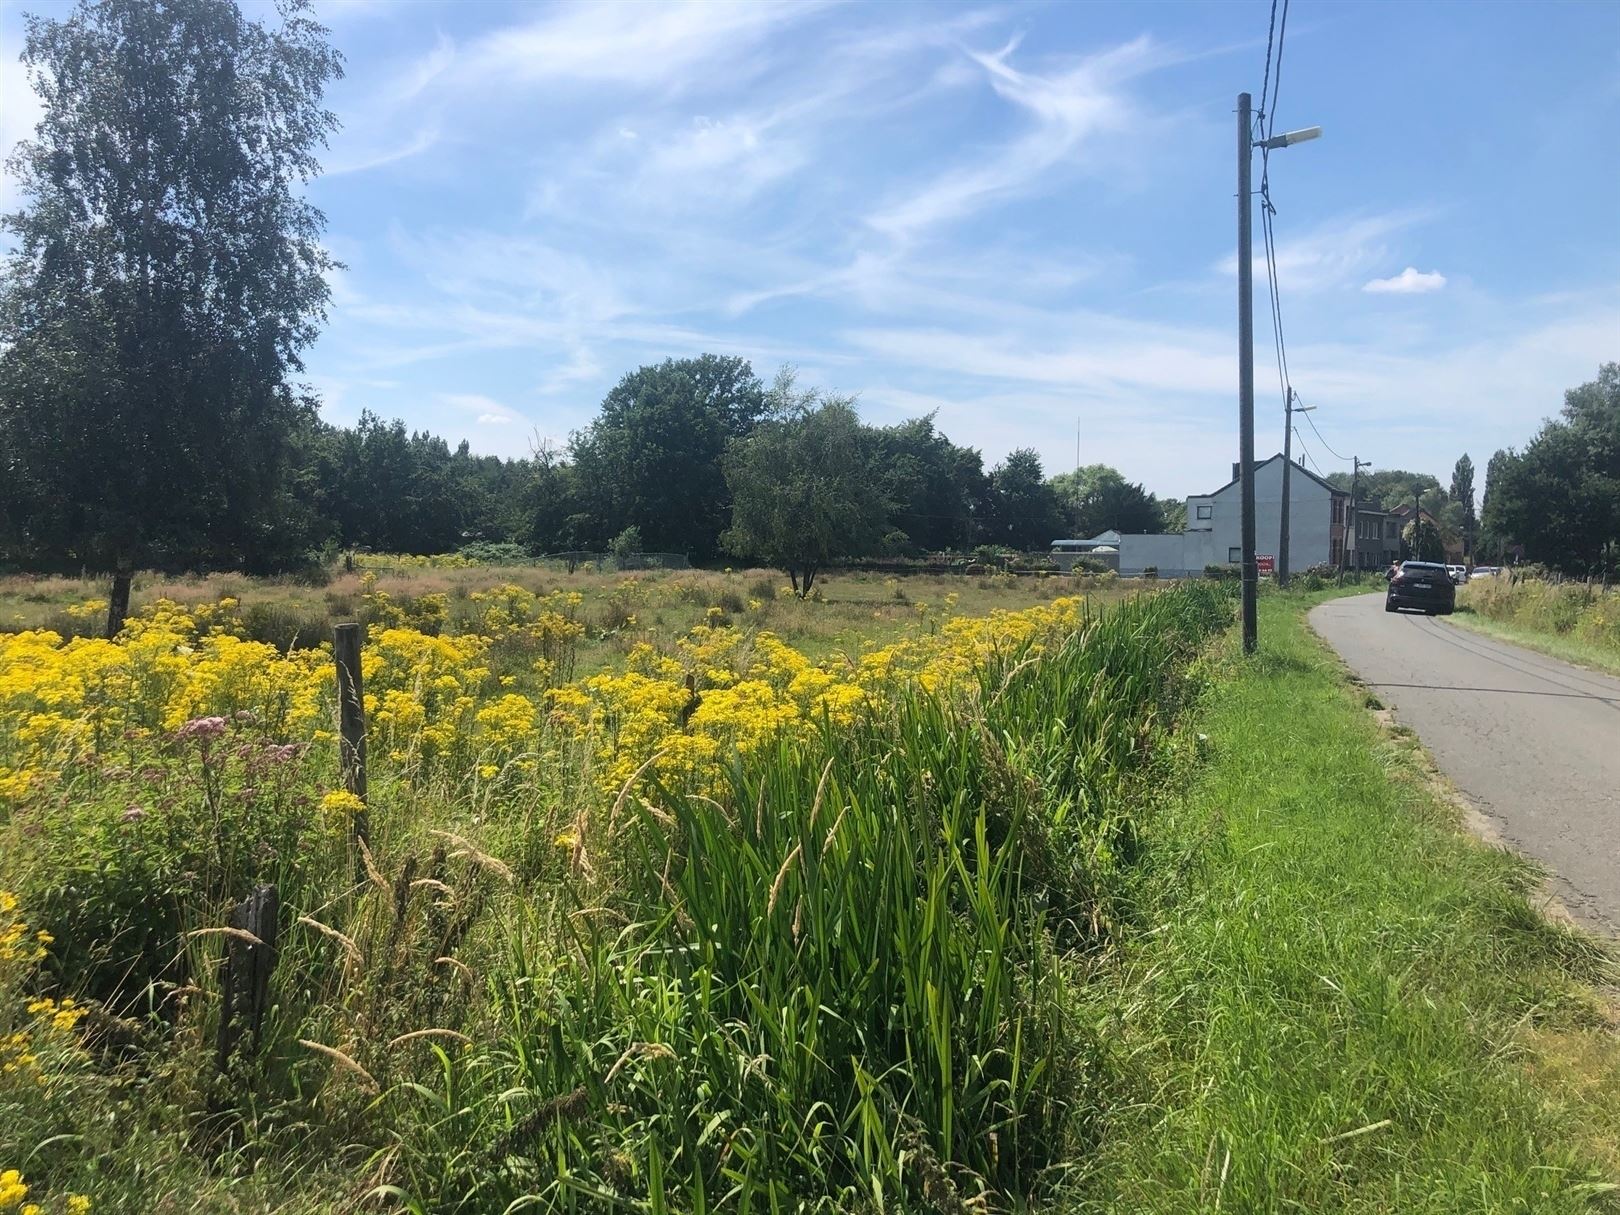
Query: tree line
(1559,498)
(165,276)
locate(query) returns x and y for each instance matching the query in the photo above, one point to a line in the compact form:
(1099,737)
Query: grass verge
(1336,1001)
(1555,645)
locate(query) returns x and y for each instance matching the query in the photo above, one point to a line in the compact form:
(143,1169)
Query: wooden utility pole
(1245,269)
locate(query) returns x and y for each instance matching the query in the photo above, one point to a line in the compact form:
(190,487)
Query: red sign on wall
(1265,563)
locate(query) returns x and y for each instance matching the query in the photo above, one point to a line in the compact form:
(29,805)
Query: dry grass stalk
(327,930)
(434,884)
(821,789)
(639,1050)
(429,1033)
(342,1060)
(236,934)
(618,802)
(832,832)
(459,966)
(372,872)
(781,876)
(482,859)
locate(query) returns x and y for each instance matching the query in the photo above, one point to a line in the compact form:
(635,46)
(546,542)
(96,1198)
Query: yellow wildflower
(341,802)
(12,1189)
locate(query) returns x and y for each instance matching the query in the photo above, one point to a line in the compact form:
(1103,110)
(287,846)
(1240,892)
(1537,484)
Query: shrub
(486,552)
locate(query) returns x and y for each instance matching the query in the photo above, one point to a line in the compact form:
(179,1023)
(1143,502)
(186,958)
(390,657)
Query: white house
(1213,536)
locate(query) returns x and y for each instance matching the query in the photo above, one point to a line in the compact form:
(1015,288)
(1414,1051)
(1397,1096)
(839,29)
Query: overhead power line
(1319,435)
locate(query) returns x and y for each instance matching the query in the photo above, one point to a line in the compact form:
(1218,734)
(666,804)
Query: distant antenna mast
(1077,475)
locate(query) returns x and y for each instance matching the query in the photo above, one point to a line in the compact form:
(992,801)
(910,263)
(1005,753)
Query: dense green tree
(1124,506)
(1493,539)
(1421,541)
(164,277)
(1021,509)
(1560,497)
(652,457)
(804,491)
(1175,514)
(1097,497)
(1462,494)
(1392,487)
(935,486)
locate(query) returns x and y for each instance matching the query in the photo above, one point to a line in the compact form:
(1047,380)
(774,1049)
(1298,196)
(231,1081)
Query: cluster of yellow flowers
(60,700)
(747,691)
(49,1022)
(433,699)
(18,947)
(13,1189)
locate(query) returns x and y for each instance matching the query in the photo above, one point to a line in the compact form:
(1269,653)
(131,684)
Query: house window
(1206,511)
(1234,554)
(1392,530)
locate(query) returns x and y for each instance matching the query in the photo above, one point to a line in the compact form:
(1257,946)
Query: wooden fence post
(351,719)
(244,973)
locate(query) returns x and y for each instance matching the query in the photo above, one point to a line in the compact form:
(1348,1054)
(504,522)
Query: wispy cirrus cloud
(1065,109)
(1410,281)
(1334,252)
(654,46)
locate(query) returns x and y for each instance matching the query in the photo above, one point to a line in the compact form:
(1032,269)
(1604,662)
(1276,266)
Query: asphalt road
(1533,742)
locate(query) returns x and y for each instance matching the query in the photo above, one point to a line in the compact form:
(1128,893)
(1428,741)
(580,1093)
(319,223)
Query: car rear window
(1421,568)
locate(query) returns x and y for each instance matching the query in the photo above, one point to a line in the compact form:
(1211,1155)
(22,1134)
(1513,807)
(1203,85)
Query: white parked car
(1459,573)
(1485,571)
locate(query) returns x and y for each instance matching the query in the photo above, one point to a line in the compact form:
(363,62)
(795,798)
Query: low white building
(1214,537)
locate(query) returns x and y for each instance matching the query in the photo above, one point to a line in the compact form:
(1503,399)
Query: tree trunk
(793,577)
(809,577)
(118,601)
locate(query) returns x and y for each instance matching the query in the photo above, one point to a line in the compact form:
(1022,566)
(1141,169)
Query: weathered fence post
(351,720)
(244,973)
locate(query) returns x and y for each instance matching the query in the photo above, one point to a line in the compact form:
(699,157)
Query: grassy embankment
(1572,621)
(960,949)
(725,930)
(1337,1002)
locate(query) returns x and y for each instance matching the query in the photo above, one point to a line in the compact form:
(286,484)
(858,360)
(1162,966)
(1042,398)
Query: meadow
(615,610)
(1572,620)
(656,909)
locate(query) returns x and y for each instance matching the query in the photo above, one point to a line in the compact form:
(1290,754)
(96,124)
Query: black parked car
(1423,585)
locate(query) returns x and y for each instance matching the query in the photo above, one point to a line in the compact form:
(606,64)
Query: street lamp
(1289,138)
(1246,146)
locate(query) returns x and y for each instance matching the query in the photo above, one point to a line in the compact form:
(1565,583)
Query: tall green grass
(844,985)
(1572,620)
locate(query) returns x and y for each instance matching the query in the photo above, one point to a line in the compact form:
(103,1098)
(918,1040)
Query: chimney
(1236,469)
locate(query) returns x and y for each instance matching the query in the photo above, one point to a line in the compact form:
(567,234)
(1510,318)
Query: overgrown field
(724,926)
(614,611)
(1570,620)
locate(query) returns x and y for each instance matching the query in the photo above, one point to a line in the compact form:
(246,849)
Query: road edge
(1471,819)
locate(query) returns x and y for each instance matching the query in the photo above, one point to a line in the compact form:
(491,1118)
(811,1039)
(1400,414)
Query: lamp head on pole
(1289,138)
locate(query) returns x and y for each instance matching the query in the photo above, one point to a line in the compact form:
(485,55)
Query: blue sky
(1020,216)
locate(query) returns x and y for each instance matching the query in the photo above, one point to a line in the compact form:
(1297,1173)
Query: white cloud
(652,46)
(1068,108)
(1331,253)
(344,160)
(487,410)
(1408,282)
